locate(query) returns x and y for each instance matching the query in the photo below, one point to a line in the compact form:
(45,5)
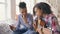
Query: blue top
(23,27)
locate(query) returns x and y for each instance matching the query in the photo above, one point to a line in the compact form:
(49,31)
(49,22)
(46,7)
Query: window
(17,6)
(4,9)
(2,0)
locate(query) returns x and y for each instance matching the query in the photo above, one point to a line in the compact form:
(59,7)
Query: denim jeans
(19,31)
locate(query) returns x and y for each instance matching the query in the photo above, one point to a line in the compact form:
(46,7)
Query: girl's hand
(12,27)
(38,30)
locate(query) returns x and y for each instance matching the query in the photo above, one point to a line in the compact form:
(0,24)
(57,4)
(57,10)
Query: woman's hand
(12,27)
(44,31)
(38,30)
(35,25)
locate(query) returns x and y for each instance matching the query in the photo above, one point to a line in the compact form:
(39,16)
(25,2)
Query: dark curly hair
(22,5)
(46,9)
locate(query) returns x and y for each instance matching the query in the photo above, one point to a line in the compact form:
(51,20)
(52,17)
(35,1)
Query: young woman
(25,20)
(43,12)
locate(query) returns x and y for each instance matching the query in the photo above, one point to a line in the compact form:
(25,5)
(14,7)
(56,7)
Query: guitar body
(45,31)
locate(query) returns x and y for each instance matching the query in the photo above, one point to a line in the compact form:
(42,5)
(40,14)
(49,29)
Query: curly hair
(22,5)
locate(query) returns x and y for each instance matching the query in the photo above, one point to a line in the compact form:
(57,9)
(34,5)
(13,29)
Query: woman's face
(38,12)
(23,11)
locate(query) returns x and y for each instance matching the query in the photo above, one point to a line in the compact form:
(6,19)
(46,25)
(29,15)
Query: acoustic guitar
(43,30)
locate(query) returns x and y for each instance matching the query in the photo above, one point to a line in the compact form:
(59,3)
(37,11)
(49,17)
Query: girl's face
(38,12)
(23,11)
